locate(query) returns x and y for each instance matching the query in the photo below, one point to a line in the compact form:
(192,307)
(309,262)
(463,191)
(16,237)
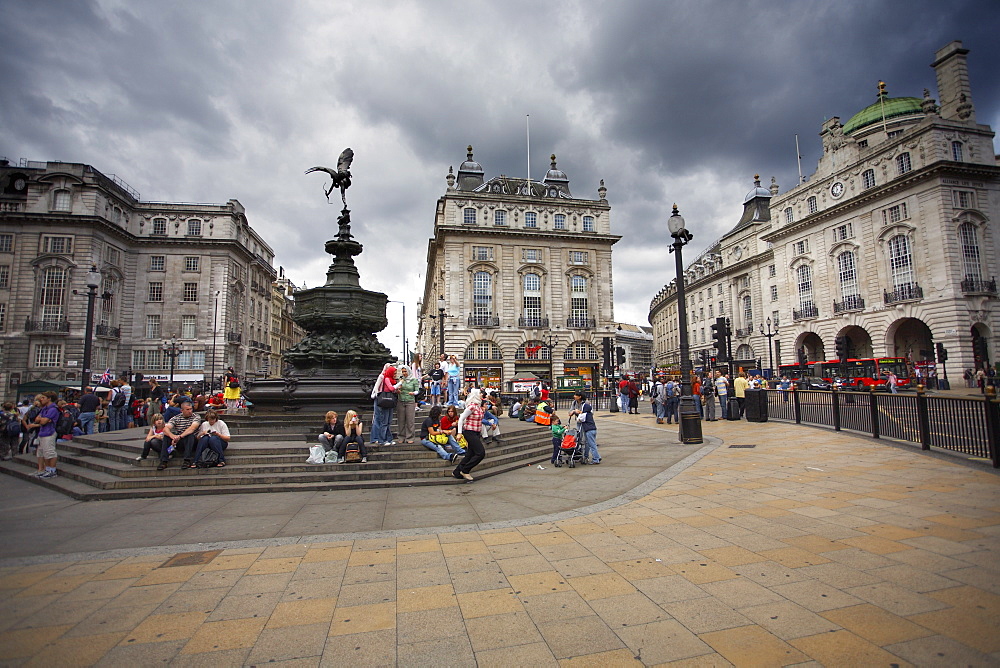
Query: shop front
(484,375)
(588,373)
(535,370)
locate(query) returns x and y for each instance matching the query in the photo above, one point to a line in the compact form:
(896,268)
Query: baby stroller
(572,446)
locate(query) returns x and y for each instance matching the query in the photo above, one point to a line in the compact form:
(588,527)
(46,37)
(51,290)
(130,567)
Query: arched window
(482,294)
(532,311)
(483,350)
(748,312)
(811,203)
(579,310)
(52,297)
(957,154)
(744,352)
(970,251)
(805,284)
(588,223)
(62,200)
(848,273)
(903,163)
(900,261)
(109,291)
(581,350)
(531,219)
(868,179)
(469,216)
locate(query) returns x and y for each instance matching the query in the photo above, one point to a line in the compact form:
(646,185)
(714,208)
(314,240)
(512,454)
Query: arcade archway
(813,345)
(859,342)
(981,345)
(911,338)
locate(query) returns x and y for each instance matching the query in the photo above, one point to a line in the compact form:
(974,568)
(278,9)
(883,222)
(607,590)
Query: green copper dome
(891,106)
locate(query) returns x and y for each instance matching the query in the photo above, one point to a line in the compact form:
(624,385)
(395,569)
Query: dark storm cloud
(665,101)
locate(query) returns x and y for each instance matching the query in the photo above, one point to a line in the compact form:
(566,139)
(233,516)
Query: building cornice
(581,238)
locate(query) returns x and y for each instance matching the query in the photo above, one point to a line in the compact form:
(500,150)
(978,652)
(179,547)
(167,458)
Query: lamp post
(441,305)
(770,349)
(93,282)
(215,337)
(406,352)
(172,349)
(690,421)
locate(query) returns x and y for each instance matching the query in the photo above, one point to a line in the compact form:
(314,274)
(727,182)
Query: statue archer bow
(341,177)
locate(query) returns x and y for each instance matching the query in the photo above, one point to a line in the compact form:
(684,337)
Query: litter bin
(732,408)
(756,406)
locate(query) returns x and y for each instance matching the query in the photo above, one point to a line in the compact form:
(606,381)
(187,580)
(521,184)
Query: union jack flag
(105,377)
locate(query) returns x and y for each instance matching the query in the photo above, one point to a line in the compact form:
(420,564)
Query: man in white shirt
(722,389)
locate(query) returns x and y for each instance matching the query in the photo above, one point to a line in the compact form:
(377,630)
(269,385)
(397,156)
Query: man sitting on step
(180,432)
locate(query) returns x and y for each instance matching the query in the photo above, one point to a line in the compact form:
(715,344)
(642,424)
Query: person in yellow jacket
(740,388)
(232,392)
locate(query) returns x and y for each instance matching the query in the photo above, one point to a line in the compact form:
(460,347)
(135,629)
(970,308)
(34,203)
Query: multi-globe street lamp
(690,420)
(93,282)
(770,344)
(172,349)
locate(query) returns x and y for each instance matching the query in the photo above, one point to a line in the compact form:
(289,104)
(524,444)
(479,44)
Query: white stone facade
(197,272)
(893,243)
(519,268)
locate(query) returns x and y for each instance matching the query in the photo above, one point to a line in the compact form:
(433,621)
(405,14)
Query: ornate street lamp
(93,282)
(441,306)
(690,420)
(770,335)
(172,349)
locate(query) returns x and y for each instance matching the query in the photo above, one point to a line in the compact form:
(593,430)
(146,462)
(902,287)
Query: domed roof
(890,106)
(470,165)
(757,191)
(555,174)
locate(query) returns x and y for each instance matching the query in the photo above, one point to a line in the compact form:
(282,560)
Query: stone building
(197,273)
(284,332)
(523,273)
(636,345)
(892,242)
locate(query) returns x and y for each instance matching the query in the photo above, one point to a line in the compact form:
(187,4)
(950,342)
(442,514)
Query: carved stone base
(333,391)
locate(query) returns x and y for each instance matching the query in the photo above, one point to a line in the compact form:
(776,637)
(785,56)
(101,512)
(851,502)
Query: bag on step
(353,453)
(209,458)
(317,455)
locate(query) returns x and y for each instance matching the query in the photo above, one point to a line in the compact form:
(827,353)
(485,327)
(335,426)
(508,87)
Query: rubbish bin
(732,408)
(756,406)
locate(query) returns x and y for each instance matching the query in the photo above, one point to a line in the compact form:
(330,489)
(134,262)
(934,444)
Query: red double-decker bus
(860,374)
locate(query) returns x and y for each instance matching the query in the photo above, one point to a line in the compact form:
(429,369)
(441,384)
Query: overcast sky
(666,101)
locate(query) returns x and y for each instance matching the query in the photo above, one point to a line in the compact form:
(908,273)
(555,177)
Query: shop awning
(37,386)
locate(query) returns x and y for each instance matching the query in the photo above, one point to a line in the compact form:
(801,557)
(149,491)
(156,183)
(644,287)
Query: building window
(789,217)
(62,200)
(894,214)
(774,293)
(748,311)
(192,264)
(772,271)
(711,311)
(964,199)
(6,243)
(863,143)
(469,216)
(956,151)
(482,253)
(588,223)
(500,217)
(482,294)
(157,262)
(805,284)
(560,221)
(721,308)
(848,274)
(531,219)
(581,350)
(189,326)
(194,228)
(578,257)
(116,215)
(190,292)
(845,231)
(153,326)
(112,256)
(970,251)
(483,350)
(48,355)
(532,283)
(3,317)
(155,293)
(192,359)
(578,298)
(811,203)
(109,286)
(900,261)
(903,163)
(774,319)
(150,360)
(893,133)
(57,245)
(4,276)
(801,247)
(53,294)
(532,255)
(710,292)
(868,179)
(159,228)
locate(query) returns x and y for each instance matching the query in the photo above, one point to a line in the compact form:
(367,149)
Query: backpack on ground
(352,452)
(208,459)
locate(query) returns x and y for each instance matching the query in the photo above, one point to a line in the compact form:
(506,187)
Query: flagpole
(881,101)
(527,131)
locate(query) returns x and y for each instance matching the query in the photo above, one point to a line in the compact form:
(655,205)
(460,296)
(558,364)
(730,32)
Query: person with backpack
(231,393)
(673,390)
(708,398)
(10,431)
(213,434)
(29,430)
(658,397)
(45,425)
(117,406)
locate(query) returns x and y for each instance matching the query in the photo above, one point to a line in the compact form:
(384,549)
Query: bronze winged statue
(341,177)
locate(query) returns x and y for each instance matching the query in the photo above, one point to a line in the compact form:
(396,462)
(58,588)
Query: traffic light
(841,343)
(719,336)
(942,353)
(803,359)
(608,361)
(621,355)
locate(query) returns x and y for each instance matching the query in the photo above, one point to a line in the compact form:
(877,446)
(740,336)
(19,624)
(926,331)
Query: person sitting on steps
(154,437)
(213,434)
(180,429)
(434,438)
(354,429)
(333,433)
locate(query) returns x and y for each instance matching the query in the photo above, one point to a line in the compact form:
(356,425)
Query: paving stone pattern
(814,548)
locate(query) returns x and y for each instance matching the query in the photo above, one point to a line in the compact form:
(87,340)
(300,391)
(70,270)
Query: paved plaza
(812,547)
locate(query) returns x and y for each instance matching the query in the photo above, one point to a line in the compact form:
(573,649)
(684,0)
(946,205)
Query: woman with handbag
(232,391)
(434,438)
(407,405)
(385,398)
(469,425)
